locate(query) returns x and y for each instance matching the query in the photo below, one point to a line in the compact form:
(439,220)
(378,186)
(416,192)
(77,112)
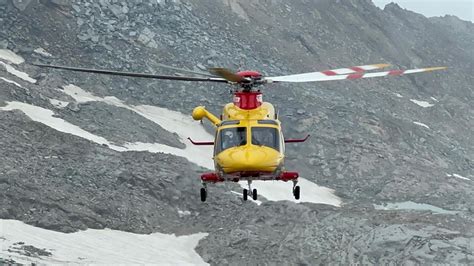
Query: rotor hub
(250,79)
(255,75)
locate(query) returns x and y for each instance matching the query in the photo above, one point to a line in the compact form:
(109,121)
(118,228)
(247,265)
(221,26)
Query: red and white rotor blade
(307,77)
(314,78)
(350,70)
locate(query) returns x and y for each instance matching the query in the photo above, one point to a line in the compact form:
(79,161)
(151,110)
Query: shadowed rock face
(365,143)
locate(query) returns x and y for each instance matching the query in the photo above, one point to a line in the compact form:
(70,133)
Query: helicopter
(249,144)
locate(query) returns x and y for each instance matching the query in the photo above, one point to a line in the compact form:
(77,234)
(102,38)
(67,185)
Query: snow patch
(172,121)
(45,116)
(410,205)
(421,124)
(183,213)
(434,99)
(398,95)
(423,104)
(94,246)
(11,81)
(310,192)
(11,57)
(458,176)
(192,154)
(58,104)
(42,51)
(18,73)
(80,95)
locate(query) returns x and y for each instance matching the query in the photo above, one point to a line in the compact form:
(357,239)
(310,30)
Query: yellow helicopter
(249,143)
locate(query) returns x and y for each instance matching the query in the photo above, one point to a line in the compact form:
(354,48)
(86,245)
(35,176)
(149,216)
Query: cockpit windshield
(266,136)
(231,137)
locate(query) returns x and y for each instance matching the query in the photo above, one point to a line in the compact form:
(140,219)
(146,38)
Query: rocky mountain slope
(374,142)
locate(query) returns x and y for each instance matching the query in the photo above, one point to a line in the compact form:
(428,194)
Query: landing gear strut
(296,190)
(247,192)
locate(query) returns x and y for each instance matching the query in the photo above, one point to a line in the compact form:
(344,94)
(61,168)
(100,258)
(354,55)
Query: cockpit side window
(266,136)
(231,137)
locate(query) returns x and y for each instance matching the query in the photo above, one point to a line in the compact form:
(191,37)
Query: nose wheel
(249,192)
(296,190)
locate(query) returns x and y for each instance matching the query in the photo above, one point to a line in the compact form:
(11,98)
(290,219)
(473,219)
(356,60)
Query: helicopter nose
(250,158)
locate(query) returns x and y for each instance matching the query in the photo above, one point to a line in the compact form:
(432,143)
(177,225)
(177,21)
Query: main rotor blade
(132,74)
(226,74)
(354,69)
(316,78)
(185,70)
(306,77)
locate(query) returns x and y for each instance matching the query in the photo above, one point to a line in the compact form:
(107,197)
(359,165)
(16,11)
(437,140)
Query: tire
(254,194)
(296,192)
(245,194)
(203,194)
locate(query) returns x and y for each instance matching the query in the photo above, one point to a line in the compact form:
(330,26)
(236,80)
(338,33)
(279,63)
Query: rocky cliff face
(374,141)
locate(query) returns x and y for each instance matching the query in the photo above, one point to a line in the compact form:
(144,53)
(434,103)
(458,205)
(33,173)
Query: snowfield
(421,124)
(310,192)
(18,73)
(10,56)
(95,246)
(423,104)
(42,52)
(58,104)
(458,176)
(11,81)
(413,206)
(45,116)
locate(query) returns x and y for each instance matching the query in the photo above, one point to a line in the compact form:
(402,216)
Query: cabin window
(266,136)
(231,137)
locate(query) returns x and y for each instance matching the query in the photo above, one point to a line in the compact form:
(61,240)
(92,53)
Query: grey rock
(3,44)
(116,10)
(146,38)
(300,111)
(61,2)
(76,8)
(21,4)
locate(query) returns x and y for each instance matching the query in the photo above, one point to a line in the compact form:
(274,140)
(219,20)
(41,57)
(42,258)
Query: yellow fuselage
(251,154)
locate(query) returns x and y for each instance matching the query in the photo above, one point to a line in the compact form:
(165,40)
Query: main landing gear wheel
(245,194)
(203,194)
(296,192)
(254,194)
